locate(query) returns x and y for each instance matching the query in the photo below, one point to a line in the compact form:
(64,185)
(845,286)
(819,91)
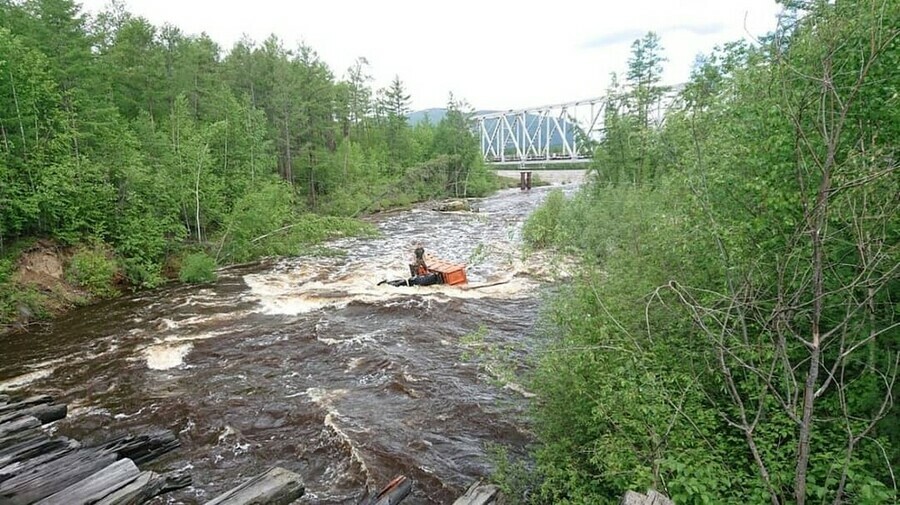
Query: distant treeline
(141,140)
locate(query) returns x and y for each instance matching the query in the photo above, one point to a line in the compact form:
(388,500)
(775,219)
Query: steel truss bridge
(560,133)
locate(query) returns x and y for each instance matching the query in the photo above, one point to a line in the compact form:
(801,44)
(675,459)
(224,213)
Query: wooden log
(17,425)
(95,486)
(21,436)
(632,498)
(30,449)
(651,498)
(44,480)
(146,486)
(655,498)
(275,487)
(13,469)
(142,448)
(27,402)
(45,413)
(479,494)
(176,480)
(393,493)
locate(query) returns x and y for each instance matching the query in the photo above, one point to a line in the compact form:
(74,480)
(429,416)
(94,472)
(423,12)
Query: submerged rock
(454,206)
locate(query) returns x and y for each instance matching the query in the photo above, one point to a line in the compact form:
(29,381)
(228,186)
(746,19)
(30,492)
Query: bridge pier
(524,179)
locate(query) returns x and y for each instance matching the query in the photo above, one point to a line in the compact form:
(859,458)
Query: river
(308,364)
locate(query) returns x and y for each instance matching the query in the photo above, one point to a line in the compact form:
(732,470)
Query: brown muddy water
(307,364)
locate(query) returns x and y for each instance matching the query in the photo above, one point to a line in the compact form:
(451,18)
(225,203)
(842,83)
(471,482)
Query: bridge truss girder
(561,133)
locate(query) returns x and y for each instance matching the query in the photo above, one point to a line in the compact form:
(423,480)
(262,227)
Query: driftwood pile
(54,470)
(48,470)
(38,468)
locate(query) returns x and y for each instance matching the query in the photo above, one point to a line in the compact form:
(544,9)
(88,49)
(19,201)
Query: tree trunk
(197,197)
(288,168)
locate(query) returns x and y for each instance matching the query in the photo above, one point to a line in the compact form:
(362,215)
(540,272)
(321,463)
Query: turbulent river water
(308,364)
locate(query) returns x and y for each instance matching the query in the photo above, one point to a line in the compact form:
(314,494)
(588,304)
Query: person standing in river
(418,268)
(421,274)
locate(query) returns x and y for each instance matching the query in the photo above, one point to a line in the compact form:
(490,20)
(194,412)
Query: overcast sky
(495,54)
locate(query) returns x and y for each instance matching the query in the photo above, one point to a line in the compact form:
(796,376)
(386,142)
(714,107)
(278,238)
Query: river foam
(166,356)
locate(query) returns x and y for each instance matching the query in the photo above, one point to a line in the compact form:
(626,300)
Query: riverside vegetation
(145,153)
(732,336)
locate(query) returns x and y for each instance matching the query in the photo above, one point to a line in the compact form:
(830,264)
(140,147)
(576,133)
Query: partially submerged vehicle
(437,271)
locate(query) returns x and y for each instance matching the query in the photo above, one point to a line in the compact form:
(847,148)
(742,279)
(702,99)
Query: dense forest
(148,151)
(732,333)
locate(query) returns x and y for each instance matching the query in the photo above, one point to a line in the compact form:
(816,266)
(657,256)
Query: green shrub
(145,274)
(482,181)
(511,474)
(94,268)
(544,227)
(16,299)
(198,268)
(6,270)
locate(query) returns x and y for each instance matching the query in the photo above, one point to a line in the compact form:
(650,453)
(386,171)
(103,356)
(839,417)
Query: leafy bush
(6,270)
(143,273)
(94,268)
(544,226)
(16,301)
(198,268)
(515,480)
(482,181)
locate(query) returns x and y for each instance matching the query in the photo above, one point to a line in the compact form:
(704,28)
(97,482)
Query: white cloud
(495,54)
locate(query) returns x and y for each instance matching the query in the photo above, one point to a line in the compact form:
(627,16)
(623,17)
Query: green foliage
(453,137)
(632,150)
(510,474)
(94,269)
(16,301)
(545,226)
(144,138)
(197,268)
(724,252)
(254,215)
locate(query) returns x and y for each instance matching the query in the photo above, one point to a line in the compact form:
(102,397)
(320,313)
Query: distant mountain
(434,115)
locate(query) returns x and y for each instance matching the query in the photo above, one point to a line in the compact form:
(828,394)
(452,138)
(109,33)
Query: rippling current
(308,364)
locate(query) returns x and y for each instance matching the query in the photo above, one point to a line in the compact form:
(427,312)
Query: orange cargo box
(452,273)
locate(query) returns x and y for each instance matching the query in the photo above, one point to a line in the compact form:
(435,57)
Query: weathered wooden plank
(143,448)
(22,436)
(479,494)
(30,449)
(146,486)
(393,493)
(632,498)
(655,498)
(17,425)
(95,486)
(275,487)
(27,402)
(45,413)
(13,469)
(44,480)
(651,498)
